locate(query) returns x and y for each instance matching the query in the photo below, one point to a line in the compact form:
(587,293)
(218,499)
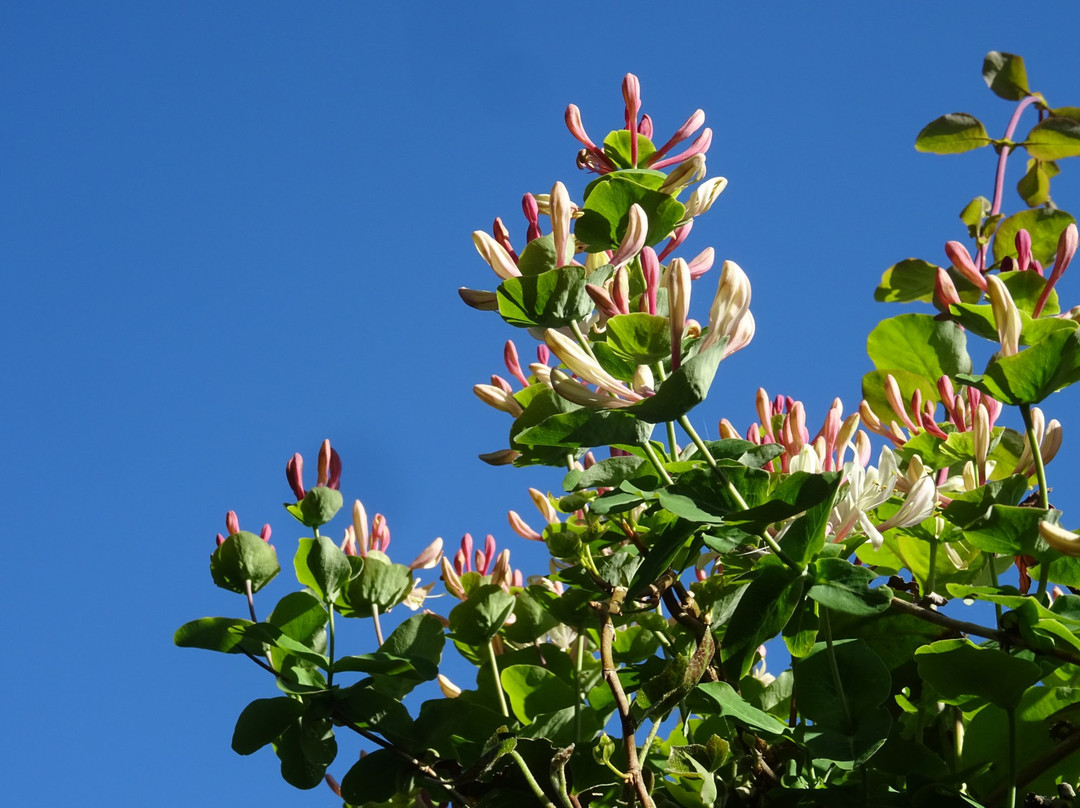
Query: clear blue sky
(230,230)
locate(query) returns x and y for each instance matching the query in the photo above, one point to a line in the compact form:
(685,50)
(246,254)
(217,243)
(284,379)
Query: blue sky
(228,231)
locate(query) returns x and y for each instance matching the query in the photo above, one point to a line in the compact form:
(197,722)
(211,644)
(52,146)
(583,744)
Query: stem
(574,327)
(826,629)
(994,581)
(378,625)
(999,177)
(1067,747)
(657,463)
(649,739)
(250,600)
(498,682)
(611,676)
(1040,476)
(330,629)
(1011,800)
(931,576)
(673,444)
(578,663)
(533,785)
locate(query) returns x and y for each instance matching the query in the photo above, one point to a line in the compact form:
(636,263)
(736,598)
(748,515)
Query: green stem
(250,600)
(826,629)
(533,785)
(378,625)
(582,340)
(673,444)
(649,740)
(994,581)
(931,576)
(1040,476)
(330,630)
(579,662)
(498,681)
(657,463)
(1011,800)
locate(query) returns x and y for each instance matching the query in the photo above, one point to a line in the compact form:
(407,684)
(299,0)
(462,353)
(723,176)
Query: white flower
(867,488)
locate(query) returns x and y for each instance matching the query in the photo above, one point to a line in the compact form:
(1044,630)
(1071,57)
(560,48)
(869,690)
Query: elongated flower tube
(502,235)
(981,435)
(918,505)
(1060,539)
(1066,249)
(496,255)
(699,146)
(702,263)
(678,236)
(532,216)
(678,283)
(896,400)
(704,196)
(650,269)
(522,528)
(620,290)
(577,393)
(1023,249)
(684,174)
(961,259)
(1006,315)
(637,227)
(730,304)
(585,366)
(631,90)
(561,210)
(452,580)
(543,504)
(945,293)
(602,299)
(513,364)
(692,124)
(498,398)
(577,129)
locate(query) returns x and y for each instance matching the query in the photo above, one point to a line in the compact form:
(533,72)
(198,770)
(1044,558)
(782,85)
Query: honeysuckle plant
(631,671)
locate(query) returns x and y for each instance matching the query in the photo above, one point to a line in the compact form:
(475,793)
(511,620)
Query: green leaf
(796,493)
(318,506)
(968,507)
(801,630)
(1033,374)
(913,280)
(763,611)
(1053,139)
(479,618)
(959,671)
(380,584)
(1045,227)
(843,587)
(667,540)
(921,345)
(854,746)
(419,637)
(241,558)
(262,721)
(617,148)
(1010,530)
(1034,186)
(323,566)
(609,473)
(605,214)
(1006,75)
(952,134)
(538,256)
(376,778)
(585,428)
(865,681)
(223,634)
(299,615)
(551,299)
(388,665)
(306,749)
(641,338)
(721,696)
(684,389)
(533,690)
(806,536)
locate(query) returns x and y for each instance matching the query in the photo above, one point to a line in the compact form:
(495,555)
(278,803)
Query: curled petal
(704,196)
(429,557)
(702,263)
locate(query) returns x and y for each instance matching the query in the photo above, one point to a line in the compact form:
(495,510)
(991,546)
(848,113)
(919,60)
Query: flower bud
(560,224)
(502,235)
(585,366)
(1023,249)
(699,146)
(702,263)
(678,236)
(690,171)
(692,124)
(727,429)
(503,457)
(637,226)
(448,688)
(620,290)
(650,269)
(232,523)
(945,293)
(294,473)
(643,380)
(380,533)
(360,527)
(704,196)
(478,299)
(452,580)
(961,260)
(1066,249)
(498,398)
(543,504)
(521,527)
(532,216)
(577,129)
(429,557)
(631,90)
(678,280)
(730,305)
(1060,539)
(602,299)
(495,255)
(1006,315)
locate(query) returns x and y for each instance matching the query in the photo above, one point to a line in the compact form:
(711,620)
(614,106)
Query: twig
(1069,745)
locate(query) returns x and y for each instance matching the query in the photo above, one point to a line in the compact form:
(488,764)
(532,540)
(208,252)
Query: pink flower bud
(631,90)
(577,129)
(220,540)
(602,300)
(1066,249)
(678,236)
(510,358)
(348,543)
(702,263)
(961,259)
(451,578)
(727,429)
(620,290)
(1023,249)
(380,533)
(692,124)
(294,473)
(501,574)
(892,395)
(945,293)
(330,781)
(232,524)
(532,216)
(495,255)
(637,227)
(501,383)
(324,463)
(489,549)
(360,527)
(678,281)
(502,235)
(650,269)
(645,128)
(699,146)
(519,526)
(264,534)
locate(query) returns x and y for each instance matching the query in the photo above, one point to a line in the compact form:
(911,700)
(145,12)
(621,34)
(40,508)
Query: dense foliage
(634,671)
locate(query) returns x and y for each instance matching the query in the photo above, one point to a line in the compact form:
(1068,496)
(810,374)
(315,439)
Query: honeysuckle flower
(699,146)
(692,124)
(532,216)
(451,580)
(686,173)
(543,504)
(678,236)
(521,527)
(501,383)
(1060,539)
(643,380)
(701,263)
(678,285)
(961,260)
(592,156)
(329,470)
(502,235)
(577,393)
(1023,249)
(602,299)
(620,290)
(729,306)
(809,458)
(919,504)
(645,127)
(650,269)
(945,293)
(893,396)
(637,226)
(479,299)
(429,557)
(1047,435)
(1066,249)
(865,490)
(498,398)
(631,90)
(448,688)
(704,196)
(416,597)
(981,435)
(232,527)
(561,210)
(585,366)
(496,255)
(513,364)
(1006,315)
